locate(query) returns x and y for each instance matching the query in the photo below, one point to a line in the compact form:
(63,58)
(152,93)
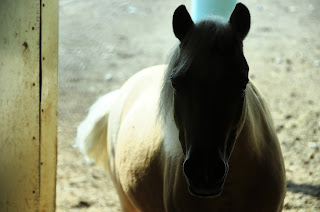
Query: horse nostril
(193,171)
(219,171)
(187,169)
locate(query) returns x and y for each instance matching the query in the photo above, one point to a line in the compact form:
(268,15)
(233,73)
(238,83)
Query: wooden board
(19,105)
(49,100)
(28,126)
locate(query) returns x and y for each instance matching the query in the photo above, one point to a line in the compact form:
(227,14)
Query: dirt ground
(103,43)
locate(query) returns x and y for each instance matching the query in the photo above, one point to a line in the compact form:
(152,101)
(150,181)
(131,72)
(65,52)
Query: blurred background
(104,42)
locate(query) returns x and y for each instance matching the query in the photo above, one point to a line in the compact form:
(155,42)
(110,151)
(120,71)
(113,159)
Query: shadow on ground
(308,189)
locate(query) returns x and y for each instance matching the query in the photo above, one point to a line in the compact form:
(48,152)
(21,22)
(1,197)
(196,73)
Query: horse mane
(166,95)
(167,91)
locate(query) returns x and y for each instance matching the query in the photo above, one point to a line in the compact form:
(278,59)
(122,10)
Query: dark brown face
(209,81)
(207,117)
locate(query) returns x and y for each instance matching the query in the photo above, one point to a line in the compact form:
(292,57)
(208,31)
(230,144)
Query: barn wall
(24,137)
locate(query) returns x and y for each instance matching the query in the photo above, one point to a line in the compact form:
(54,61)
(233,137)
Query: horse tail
(92,132)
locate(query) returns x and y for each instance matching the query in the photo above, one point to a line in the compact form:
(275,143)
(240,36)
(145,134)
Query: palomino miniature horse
(193,136)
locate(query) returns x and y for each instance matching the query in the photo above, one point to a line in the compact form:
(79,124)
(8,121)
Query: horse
(193,135)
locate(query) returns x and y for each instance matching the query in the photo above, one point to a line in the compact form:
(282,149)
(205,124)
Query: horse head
(209,78)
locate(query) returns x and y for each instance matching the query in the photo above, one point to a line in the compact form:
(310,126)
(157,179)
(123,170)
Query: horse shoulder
(257,159)
(136,140)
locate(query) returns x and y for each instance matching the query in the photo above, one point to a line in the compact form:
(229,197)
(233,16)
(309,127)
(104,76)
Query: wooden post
(49,101)
(202,8)
(28,105)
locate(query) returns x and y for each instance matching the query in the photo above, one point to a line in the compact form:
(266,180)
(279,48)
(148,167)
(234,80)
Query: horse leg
(125,202)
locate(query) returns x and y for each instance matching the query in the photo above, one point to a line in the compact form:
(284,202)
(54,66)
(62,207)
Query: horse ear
(181,22)
(240,20)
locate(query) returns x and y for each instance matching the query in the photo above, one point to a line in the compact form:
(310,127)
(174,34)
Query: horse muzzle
(205,192)
(205,181)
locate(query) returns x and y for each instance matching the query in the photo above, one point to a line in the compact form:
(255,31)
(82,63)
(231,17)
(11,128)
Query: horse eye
(178,82)
(175,82)
(243,83)
(243,93)
(243,90)
(175,86)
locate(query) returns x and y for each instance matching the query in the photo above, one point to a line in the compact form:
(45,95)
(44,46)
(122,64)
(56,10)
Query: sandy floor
(103,43)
